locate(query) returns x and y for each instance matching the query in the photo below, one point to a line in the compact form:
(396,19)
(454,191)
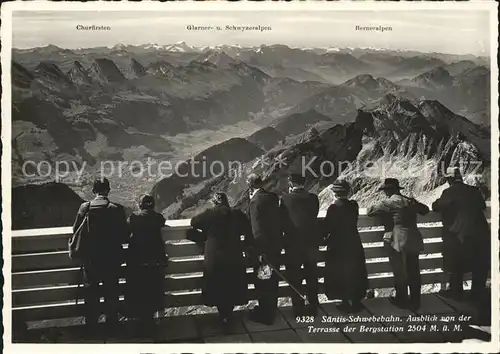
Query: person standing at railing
(264,213)
(299,217)
(346,277)
(224,276)
(103,254)
(146,262)
(403,241)
(466,235)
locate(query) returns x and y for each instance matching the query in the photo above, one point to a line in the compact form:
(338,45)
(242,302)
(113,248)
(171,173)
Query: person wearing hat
(346,277)
(264,214)
(403,241)
(103,256)
(466,235)
(146,262)
(224,270)
(299,216)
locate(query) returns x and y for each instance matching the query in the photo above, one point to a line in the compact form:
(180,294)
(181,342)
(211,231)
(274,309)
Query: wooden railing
(45,281)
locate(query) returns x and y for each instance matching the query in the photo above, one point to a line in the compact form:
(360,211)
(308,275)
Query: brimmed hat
(341,186)
(220,198)
(254,180)
(390,183)
(146,202)
(453,173)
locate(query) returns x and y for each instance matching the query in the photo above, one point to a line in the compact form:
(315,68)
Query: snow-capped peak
(153,46)
(119,46)
(180,46)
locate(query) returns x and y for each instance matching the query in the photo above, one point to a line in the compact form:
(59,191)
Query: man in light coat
(108,230)
(403,241)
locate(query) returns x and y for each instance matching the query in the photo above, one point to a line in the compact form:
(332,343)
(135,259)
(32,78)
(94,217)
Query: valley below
(129,112)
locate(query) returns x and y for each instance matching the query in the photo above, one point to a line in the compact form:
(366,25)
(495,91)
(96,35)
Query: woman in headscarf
(146,262)
(224,276)
(346,277)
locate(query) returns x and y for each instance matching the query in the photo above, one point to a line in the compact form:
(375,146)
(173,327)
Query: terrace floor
(205,328)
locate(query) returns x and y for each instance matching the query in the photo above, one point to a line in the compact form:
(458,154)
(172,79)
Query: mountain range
(414,142)
(134,102)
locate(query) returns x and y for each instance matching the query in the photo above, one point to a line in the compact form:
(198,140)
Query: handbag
(76,244)
(264,272)
(388,237)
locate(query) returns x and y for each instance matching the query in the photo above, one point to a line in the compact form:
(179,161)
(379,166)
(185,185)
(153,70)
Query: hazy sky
(462,32)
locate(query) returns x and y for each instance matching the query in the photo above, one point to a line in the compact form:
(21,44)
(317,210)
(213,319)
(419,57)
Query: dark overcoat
(299,218)
(466,233)
(264,213)
(146,261)
(346,276)
(224,274)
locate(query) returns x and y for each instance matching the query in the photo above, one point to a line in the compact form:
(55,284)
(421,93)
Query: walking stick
(303,297)
(80,284)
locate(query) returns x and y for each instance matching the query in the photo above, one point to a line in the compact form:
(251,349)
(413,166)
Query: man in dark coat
(108,230)
(466,234)
(299,217)
(403,241)
(264,216)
